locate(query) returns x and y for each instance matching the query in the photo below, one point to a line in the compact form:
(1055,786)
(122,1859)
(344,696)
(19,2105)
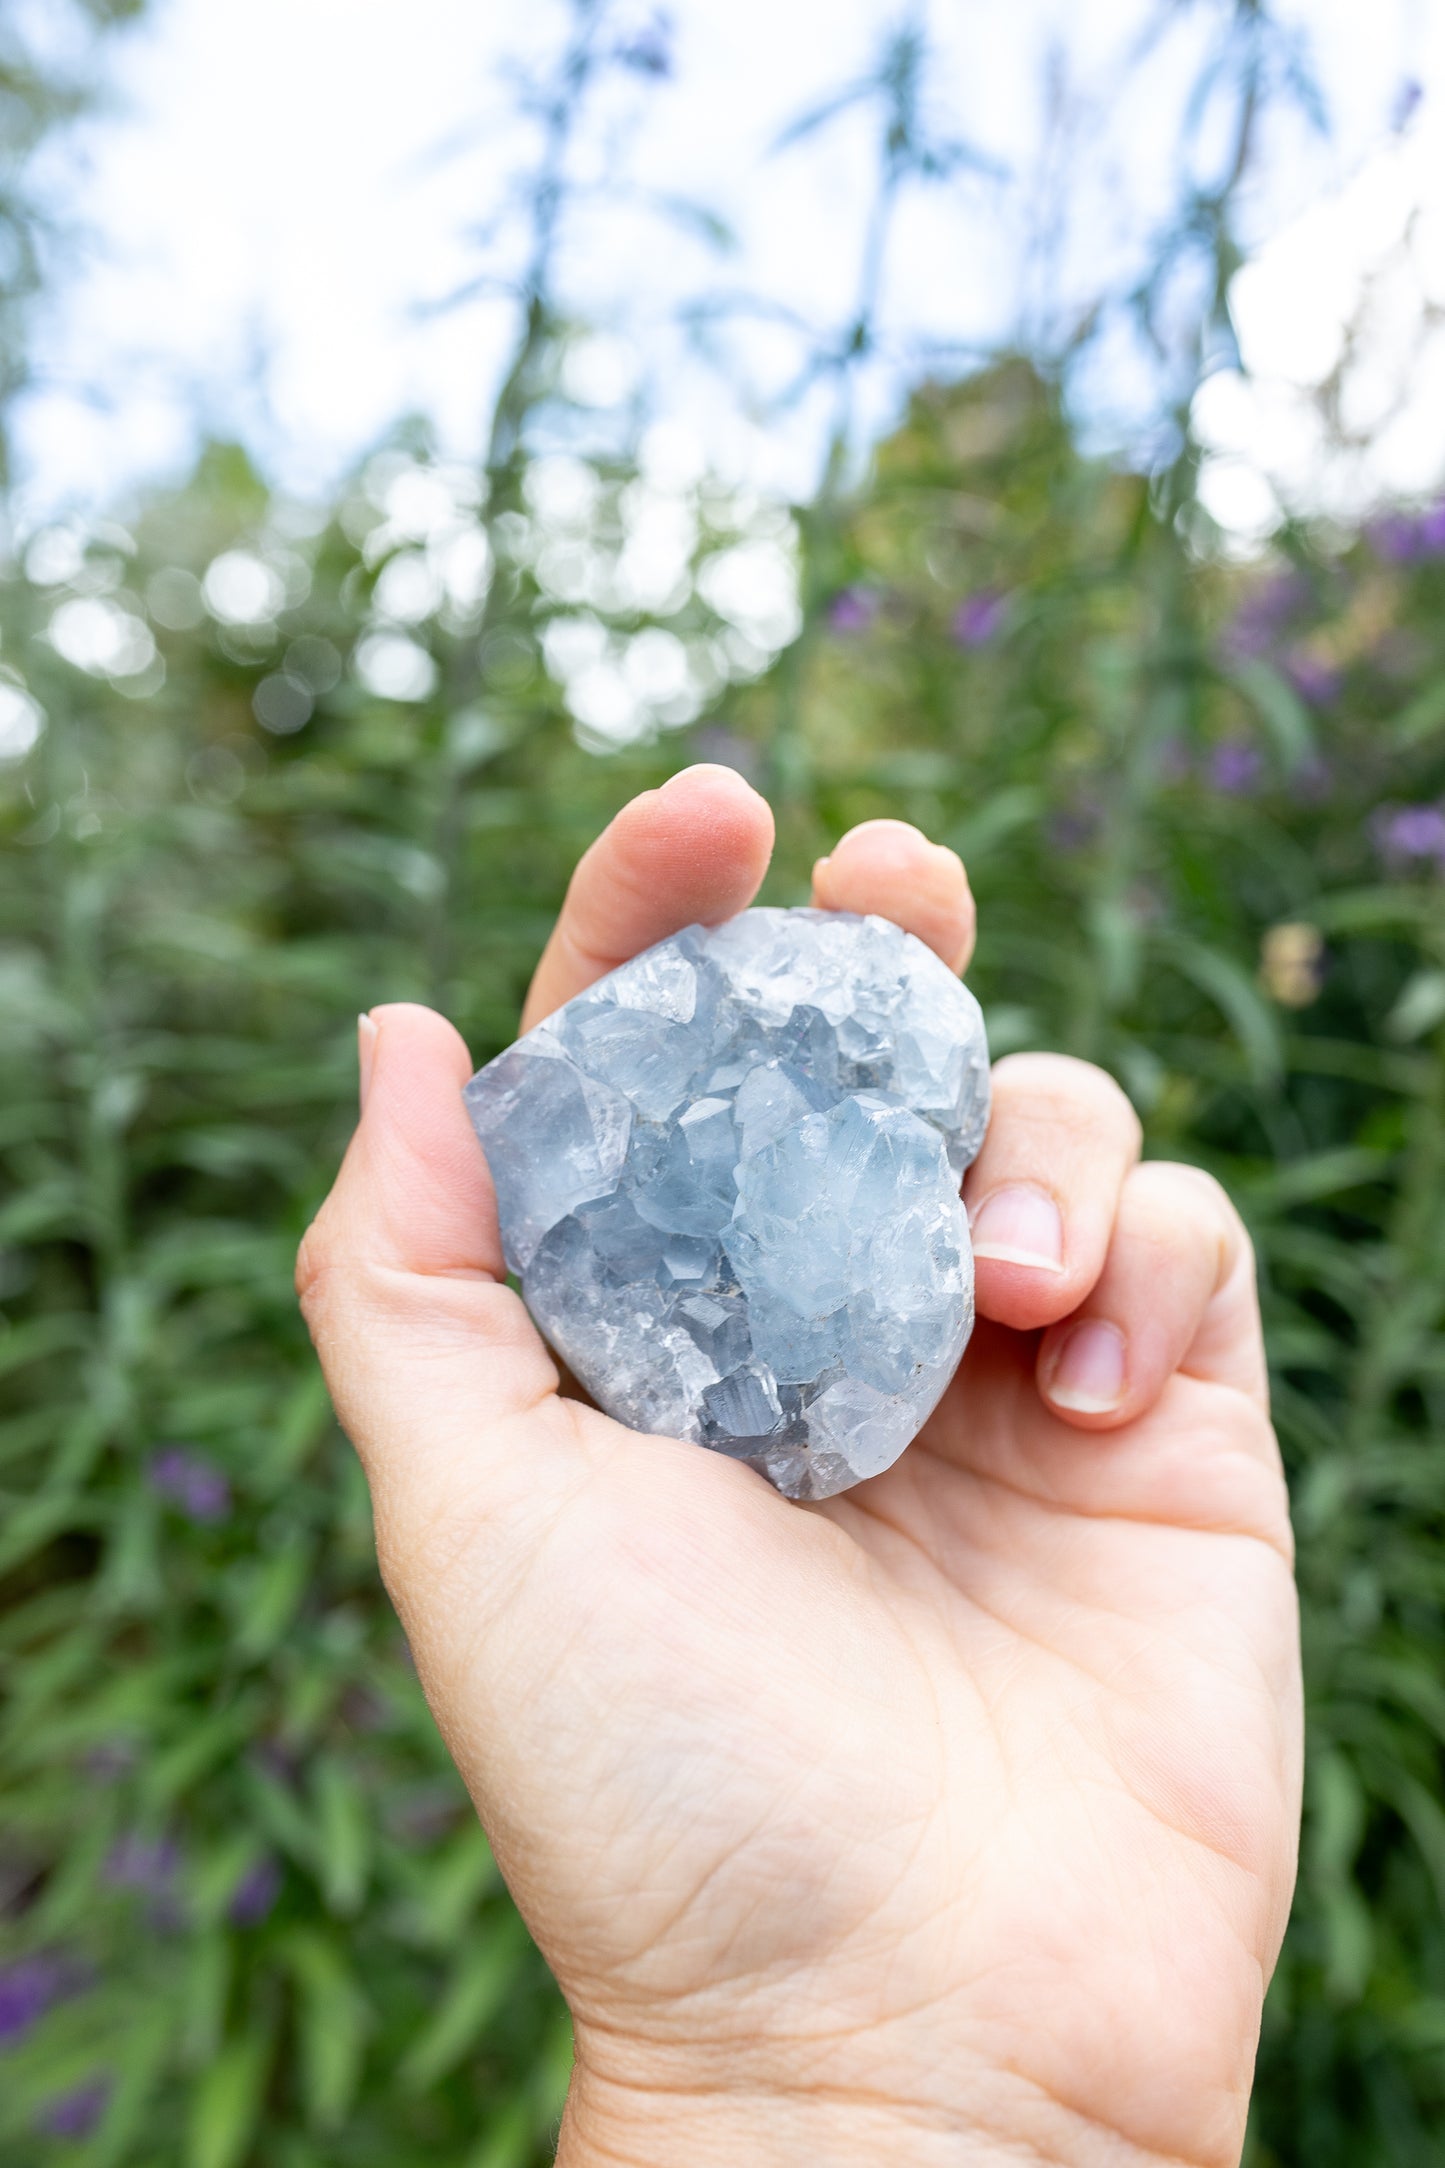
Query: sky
(280,191)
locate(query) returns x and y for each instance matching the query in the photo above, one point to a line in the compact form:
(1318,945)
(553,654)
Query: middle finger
(1043,1193)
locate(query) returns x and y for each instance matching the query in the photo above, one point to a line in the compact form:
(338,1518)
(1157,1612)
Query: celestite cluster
(728,1178)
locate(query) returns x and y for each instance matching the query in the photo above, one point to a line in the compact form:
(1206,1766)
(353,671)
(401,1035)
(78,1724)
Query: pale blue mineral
(728,1179)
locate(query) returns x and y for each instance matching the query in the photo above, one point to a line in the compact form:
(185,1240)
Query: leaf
(510,2140)
(1233,990)
(1280,709)
(148,2046)
(44,1212)
(1010,1028)
(821,116)
(695,217)
(1373,910)
(1000,817)
(1337,1813)
(1319,1175)
(1420,1007)
(333,2019)
(227,2104)
(206,1743)
(24,1434)
(283,1818)
(1349,1938)
(1116,938)
(462,1874)
(269,1602)
(1425,714)
(304,1420)
(42,1336)
(343,1835)
(553,2074)
(1424,1817)
(208,1982)
(475,1991)
(28,1528)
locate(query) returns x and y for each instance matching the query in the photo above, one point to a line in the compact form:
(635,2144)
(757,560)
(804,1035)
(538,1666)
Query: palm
(966,1717)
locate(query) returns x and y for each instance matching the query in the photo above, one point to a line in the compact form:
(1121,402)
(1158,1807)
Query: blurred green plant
(48,76)
(266,764)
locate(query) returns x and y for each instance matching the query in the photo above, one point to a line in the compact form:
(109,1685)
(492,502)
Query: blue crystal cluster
(728,1178)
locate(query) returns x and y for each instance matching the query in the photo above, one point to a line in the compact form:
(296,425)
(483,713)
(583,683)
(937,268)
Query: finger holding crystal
(1043,1193)
(890,868)
(1178,1254)
(405,1260)
(696,850)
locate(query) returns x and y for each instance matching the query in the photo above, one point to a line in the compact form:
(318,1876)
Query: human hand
(950,1820)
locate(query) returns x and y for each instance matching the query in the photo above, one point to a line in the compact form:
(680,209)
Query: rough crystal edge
(670,993)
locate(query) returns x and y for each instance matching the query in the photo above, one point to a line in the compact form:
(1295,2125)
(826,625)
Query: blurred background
(425,426)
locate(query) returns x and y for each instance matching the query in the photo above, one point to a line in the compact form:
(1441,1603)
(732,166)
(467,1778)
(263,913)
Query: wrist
(614,2123)
(612,2126)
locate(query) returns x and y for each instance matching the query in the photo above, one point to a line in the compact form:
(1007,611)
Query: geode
(728,1179)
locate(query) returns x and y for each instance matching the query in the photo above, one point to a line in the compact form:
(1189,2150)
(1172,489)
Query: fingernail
(1087,1372)
(366,1037)
(1020,1226)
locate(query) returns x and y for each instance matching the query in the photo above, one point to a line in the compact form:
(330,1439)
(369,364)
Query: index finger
(694,851)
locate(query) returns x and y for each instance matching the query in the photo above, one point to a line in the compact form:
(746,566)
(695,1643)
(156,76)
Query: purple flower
(1393,538)
(1411,834)
(76,2113)
(1234,767)
(111,1760)
(1315,681)
(190,1483)
(1075,827)
(255,1894)
(1432,532)
(980,618)
(853,609)
(1404,538)
(27,1991)
(1262,615)
(148,1864)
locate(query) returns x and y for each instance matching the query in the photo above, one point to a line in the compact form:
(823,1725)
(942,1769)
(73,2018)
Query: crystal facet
(728,1179)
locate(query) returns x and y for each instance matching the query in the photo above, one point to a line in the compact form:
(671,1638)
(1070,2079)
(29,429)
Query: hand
(951,1820)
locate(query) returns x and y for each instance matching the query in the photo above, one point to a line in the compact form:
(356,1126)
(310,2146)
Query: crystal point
(727,1175)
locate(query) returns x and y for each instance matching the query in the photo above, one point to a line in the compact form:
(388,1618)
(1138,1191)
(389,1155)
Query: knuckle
(1061,1091)
(309,1266)
(1210,1207)
(315,1271)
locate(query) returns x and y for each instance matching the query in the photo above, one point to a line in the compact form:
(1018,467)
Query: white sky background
(264,218)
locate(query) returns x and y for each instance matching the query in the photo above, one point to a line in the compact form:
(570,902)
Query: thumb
(436,1371)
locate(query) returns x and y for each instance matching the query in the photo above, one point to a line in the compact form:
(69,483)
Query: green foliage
(46,79)
(273,1928)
